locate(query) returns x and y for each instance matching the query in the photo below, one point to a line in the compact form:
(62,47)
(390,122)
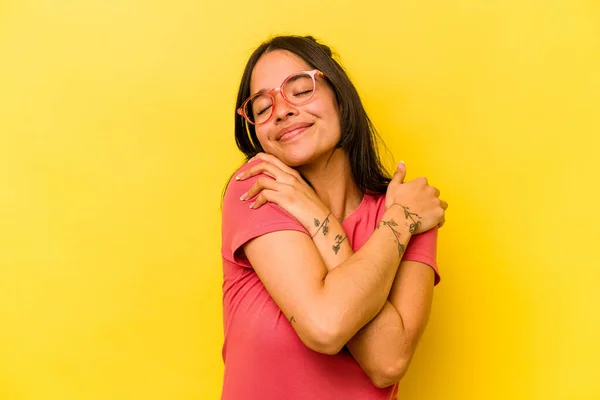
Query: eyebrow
(289,76)
(263,90)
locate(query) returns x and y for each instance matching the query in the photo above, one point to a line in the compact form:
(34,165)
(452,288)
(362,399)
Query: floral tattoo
(414,227)
(322,226)
(391,224)
(338,241)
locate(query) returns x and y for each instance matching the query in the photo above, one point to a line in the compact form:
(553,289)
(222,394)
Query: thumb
(400,173)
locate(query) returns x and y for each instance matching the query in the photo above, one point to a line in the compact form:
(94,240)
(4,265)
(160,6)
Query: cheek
(324,109)
(329,114)
(262,133)
(261,137)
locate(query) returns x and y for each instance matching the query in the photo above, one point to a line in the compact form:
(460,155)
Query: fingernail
(244,196)
(401,163)
(237,178)
(252,205)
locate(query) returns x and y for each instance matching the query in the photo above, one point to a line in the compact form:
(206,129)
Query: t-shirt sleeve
(240,223)
(423,248)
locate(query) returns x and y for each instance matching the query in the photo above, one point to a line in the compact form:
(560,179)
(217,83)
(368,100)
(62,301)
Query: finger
(262,184)
(436,192)
(266,196)
(260,200)
(400,173)
(253,157)
(444,204)
(268,169)
(442,222)
(277,162)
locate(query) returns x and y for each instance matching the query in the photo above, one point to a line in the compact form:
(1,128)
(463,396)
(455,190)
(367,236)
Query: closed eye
(264,110)
(304,93)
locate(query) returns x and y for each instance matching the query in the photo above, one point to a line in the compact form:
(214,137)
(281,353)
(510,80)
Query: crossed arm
(334,297)
(384,347)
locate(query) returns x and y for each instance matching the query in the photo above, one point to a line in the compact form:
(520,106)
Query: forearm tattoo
(338,241)
(391,224)
(322,226)
(415,225)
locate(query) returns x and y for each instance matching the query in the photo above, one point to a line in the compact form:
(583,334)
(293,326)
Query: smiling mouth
(293,133)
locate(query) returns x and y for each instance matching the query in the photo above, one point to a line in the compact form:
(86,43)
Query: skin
(309,152)
(369,301)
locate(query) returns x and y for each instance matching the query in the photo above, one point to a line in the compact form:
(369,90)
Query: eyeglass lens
(297,89)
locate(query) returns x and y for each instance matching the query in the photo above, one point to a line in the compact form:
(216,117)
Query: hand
(422,206)
(287,189)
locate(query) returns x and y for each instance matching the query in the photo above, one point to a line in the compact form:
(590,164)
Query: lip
(292,131)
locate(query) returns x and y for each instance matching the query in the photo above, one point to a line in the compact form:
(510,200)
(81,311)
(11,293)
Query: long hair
(358,136)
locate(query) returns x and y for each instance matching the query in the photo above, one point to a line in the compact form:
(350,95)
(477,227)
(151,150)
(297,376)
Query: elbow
(324,338)
(389,374)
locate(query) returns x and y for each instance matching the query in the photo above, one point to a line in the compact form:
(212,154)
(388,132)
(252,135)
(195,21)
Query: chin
(295,161)
(300,154)
(293,156)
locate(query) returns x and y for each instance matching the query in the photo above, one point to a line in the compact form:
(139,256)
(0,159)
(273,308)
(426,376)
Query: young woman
(328,264)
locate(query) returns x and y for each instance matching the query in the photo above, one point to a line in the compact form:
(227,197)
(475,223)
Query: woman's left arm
(384,347)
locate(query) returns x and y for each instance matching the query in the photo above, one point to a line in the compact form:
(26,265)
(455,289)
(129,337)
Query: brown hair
(358,136)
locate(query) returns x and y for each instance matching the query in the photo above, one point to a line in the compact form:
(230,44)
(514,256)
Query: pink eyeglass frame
(313,73)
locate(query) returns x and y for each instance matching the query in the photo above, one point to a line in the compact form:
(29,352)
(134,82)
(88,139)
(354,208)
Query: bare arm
(327,308)
(385,346)
(325,305)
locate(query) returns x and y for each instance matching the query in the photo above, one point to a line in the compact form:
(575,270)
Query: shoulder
(240,223)
(236,188)
(238,211)
(236,208)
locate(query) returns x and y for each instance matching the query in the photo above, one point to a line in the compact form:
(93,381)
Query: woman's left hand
(287,189)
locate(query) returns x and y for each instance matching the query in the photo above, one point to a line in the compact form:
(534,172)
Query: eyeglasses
(296,89)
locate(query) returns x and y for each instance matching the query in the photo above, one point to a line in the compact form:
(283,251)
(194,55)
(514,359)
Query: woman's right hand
(423,209)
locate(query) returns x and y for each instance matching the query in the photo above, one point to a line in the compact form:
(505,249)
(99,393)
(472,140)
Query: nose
(282,108)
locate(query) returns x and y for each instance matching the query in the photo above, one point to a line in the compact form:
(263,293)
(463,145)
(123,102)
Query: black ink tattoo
(414,227)
(391,224)
(323,227)
(292,319)
(338,241)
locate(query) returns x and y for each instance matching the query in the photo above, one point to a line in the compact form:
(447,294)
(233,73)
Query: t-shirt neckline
(358,210)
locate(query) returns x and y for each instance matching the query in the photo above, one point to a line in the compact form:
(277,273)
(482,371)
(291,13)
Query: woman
(328,264)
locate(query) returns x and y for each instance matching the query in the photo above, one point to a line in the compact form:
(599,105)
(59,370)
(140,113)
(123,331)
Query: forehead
(273,67)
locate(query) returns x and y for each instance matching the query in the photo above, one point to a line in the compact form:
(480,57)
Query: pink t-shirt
(264,357)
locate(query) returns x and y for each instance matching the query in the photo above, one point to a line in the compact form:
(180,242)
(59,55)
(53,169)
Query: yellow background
(116,140)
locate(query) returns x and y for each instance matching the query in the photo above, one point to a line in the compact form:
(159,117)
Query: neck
(332,180)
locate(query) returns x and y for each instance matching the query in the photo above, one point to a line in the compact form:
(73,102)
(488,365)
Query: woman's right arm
(327,308)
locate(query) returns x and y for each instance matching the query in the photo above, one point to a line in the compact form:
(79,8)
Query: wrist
(395,216)
(319,223)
